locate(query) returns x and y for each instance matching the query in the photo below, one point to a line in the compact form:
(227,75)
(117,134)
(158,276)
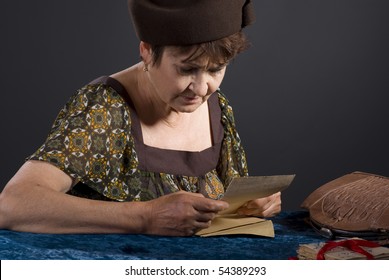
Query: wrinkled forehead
(196,55)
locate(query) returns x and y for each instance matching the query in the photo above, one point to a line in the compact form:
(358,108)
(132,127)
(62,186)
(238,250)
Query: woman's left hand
(262,207)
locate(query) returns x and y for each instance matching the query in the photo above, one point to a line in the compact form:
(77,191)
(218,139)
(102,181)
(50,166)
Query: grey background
(310,97)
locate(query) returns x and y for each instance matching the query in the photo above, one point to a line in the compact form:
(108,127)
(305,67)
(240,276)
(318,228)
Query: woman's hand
(181,213)
(262,207)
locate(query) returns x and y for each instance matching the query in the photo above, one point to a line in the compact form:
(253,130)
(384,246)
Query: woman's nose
(199,85)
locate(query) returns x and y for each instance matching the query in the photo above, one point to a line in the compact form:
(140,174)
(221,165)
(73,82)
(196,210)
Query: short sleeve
(90,140)
(232,162)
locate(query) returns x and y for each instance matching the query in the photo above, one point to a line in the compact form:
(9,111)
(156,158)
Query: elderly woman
(149,149)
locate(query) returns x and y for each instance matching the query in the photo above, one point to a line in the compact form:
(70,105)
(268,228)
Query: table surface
(291,230)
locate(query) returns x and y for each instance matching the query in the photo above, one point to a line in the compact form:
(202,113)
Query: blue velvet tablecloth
(290,229)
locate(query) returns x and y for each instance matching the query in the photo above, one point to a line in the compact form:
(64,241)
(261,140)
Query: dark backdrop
(310,96)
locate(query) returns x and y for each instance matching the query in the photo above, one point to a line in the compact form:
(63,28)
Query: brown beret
(187,22)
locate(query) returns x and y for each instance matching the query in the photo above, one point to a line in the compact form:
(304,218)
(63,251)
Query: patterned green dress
(97,140)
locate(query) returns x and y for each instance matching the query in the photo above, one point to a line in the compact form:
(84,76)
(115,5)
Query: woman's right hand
(181,213)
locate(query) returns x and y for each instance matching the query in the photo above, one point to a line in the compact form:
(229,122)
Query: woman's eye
(194,70)
(215,70)
(187,71)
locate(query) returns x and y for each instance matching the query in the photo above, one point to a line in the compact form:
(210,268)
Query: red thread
(352,244)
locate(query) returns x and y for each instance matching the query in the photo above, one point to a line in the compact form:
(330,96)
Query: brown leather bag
(354,205)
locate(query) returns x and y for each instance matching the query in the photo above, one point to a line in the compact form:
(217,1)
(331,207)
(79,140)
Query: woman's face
(184,86)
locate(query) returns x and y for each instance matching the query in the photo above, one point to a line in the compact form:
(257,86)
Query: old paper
(238,193)
(244,189)
(234,224)
(310,251)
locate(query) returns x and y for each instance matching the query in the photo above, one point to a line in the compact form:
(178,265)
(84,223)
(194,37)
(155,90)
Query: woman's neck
(149,107)
(164,128)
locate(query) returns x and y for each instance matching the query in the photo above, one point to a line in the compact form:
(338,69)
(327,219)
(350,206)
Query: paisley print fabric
(92,140)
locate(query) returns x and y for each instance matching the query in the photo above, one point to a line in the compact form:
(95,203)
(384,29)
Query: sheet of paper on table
(234,224)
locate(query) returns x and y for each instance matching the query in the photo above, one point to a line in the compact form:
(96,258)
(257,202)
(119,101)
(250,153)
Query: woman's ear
(145,52)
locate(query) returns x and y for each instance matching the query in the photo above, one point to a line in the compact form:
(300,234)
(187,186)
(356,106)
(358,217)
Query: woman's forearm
(42,210)
(35,200)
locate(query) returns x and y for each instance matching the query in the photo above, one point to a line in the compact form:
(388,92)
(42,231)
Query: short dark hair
(219,51)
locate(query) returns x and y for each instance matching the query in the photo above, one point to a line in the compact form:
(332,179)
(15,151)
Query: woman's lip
(191,99)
